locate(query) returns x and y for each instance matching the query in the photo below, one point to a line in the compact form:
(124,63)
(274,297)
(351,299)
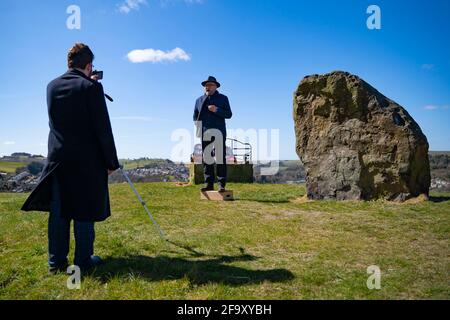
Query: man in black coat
(210,113)
(81,155)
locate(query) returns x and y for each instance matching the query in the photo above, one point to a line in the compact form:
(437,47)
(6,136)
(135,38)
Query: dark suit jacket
(213,120)
(80,149)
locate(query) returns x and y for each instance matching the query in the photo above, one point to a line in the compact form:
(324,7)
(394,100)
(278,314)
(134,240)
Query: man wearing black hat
(210,113)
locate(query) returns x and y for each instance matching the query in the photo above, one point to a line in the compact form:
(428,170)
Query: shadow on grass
(439,199)
(257,199)
(198,272)
(189,249)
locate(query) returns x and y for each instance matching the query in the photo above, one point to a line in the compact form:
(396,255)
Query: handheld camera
(99,74)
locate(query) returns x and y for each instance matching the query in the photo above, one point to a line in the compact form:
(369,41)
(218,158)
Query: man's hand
(110,172)
(94,77)
(212,108)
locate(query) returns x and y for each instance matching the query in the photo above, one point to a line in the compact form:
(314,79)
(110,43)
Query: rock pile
(166,171)
(22,182)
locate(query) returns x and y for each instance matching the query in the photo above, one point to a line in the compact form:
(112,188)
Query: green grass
(264,245)
(10,167)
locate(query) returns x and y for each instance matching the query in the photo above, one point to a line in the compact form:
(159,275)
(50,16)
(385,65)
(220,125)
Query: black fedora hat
(211,79)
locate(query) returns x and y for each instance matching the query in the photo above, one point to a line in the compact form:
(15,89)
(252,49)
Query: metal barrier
(243,150)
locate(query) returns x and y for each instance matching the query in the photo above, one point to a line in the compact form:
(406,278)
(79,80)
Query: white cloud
(428,66)
(129,5)
(433,107)
(154,56)
(9,143)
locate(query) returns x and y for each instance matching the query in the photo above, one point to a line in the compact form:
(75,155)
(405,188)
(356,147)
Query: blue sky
(259,51)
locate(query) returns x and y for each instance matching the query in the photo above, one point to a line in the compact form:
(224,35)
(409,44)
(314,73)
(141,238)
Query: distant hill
(10,166)
(147,169)
(292,171)
(18,160)
(289,171)
(141,162)
(433,153)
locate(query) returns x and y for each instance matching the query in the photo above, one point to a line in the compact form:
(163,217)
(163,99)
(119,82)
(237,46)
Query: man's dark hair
(79,56)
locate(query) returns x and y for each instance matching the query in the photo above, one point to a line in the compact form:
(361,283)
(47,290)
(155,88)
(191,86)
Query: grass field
(10,167)
(267,244)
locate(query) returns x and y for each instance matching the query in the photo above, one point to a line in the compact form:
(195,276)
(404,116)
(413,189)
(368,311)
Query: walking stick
(161,233)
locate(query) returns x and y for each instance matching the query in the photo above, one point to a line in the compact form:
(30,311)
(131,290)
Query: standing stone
(357,144)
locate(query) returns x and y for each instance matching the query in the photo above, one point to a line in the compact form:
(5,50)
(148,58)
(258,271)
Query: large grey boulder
(357,144)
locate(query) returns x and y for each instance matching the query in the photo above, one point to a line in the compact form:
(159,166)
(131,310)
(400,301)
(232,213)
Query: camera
(99,74)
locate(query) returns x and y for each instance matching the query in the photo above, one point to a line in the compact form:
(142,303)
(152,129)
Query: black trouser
(59,235)
(221,164)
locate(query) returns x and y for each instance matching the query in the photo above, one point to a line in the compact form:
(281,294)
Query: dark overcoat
(81,149)
(213,120)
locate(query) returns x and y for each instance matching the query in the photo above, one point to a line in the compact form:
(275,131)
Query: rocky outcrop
(357,144)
